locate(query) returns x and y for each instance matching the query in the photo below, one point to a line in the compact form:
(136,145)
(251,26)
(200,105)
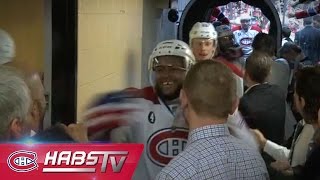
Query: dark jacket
(309,41)
(263,107)
(311,170)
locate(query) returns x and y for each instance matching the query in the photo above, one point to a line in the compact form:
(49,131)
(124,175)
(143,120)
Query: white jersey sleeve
(238,128)
(121,135)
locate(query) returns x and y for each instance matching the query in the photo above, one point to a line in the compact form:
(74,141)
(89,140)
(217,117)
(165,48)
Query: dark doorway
(64,61)
(199,11)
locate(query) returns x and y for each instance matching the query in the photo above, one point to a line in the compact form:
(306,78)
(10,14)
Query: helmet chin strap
(213,53)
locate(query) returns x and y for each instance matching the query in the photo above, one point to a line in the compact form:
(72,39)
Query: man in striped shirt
(207,98)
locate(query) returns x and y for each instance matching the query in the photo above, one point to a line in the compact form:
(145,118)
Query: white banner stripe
(112,107)
(69,170)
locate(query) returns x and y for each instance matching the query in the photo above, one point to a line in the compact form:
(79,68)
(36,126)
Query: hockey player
(230,54)
(245,36)
(148,116)
(203,40)
(152,116)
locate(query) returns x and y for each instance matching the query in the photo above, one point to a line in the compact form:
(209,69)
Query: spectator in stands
(286,33)
(316,21)
(218,16)
(311,11)
(309,40)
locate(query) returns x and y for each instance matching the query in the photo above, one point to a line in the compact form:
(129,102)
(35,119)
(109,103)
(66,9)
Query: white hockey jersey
(143,118)
(245,39)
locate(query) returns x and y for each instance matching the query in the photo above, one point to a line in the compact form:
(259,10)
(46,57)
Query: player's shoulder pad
(122,95)
(146,93)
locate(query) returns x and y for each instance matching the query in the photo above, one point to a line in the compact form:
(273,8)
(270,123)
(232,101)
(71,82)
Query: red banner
(69,161)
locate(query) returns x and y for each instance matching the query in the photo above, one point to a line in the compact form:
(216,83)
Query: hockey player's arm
(109,116)
(121,134)
(216,12)
(307,13)
(239,129)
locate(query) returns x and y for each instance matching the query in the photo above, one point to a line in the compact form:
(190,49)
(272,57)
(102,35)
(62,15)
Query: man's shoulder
(281,63)
(275,88)
(307,30)
(237,32)
(253,31)
(183,166)
(239,153)
(262,90)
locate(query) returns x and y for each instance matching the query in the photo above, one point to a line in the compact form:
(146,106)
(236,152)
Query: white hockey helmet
(202,30)
(245,17)
(7,47)
(172,48)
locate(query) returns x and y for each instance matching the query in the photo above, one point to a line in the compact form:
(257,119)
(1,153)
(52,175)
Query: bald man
(38,105)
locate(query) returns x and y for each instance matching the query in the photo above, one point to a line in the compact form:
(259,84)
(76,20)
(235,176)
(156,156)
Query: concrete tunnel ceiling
(199,11)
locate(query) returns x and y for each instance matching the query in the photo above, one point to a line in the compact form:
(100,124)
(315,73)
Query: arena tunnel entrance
(200,11)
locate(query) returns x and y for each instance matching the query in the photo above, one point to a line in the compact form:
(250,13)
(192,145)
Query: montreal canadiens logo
(246,41)
(22,161)
(165,144)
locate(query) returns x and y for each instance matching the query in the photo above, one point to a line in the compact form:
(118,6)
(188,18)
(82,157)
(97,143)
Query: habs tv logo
(80,161)
(22,161)
(68,161)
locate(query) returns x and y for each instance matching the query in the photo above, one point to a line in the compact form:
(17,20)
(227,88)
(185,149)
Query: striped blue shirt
(212,153)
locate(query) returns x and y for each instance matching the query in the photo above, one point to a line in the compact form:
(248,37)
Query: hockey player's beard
(168,97)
